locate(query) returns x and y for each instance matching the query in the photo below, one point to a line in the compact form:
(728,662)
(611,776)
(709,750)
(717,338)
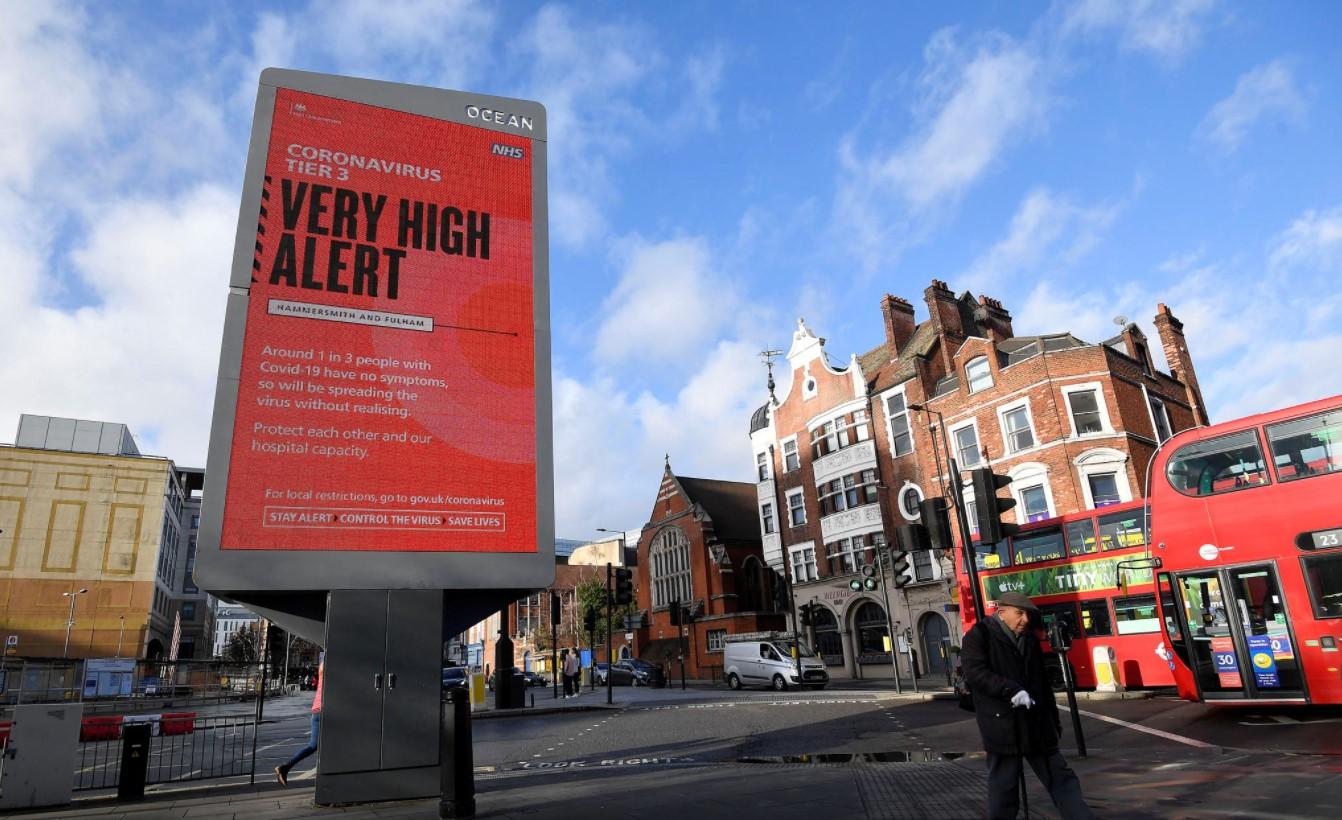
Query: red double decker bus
(1247,523)
(1091,571)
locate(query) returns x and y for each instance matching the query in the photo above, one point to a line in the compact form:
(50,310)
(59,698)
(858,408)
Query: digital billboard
(382,413)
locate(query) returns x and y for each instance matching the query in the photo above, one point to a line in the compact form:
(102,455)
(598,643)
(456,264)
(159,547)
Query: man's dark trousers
(1004,785)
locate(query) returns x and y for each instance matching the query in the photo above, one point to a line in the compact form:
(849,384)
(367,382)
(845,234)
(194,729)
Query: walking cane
(1024,796)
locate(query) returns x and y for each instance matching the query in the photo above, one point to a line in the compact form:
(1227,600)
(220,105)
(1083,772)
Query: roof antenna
(768,356)
(1121,320)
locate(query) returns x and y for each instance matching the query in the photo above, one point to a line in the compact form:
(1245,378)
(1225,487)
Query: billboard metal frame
(247,570)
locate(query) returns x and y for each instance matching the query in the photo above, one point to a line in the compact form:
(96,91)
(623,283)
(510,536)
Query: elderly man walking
(1017,715)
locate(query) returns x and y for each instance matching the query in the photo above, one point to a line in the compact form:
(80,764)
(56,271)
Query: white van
(770,663)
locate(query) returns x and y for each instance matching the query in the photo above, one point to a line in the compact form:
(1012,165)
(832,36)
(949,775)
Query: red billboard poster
(386,395)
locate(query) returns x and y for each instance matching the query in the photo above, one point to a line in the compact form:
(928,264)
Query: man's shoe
(281,775)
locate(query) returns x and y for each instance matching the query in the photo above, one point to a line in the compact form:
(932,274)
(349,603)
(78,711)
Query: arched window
(869,621)
(750,593)
(670,570)
(828,642)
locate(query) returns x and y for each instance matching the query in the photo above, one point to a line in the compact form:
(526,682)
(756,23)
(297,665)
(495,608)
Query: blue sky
(717,170)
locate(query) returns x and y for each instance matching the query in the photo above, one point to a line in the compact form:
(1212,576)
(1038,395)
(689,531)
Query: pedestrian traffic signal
(937,520)
(899,568)
(624,586)
(988,507)
(589,621)
(675,612)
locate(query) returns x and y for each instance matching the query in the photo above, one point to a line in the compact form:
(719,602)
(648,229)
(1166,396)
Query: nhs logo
(512,151)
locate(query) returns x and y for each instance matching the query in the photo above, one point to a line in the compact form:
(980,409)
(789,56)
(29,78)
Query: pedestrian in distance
(572,671)
(1017,715)
(563,671)
(314,729)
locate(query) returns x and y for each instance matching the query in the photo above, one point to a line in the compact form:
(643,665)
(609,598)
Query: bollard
(455,758)
(134,761)
(1106,670)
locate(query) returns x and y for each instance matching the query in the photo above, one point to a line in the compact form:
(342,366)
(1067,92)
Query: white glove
(1022,698)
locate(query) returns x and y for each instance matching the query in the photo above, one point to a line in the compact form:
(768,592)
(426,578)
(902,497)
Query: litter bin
(517,691)
(134,761)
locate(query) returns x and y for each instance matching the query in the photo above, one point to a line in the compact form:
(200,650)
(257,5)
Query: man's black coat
(996,671)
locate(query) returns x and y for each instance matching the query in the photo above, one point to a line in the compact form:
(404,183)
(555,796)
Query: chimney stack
(1171,332)
(899,323)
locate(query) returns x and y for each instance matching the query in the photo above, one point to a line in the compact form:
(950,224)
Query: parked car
(771,663)
(635,672)
(454,677)
(599,673)
(533,678)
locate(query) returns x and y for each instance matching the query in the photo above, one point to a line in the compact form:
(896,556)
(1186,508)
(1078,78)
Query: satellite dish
(1121,320)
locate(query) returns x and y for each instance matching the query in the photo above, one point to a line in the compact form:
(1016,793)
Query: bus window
(992,556)
(1081,538)
(1136,615)
(1218,465)
(1038,545)
(1121,530)
(1324,573)
(1063,613)
(1095,618)
(1308,446)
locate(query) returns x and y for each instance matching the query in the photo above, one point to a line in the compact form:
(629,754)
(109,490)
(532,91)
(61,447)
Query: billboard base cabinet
(43,739)
(381,696)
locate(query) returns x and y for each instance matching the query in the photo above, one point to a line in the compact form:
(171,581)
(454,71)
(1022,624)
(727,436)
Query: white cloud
(975,102)
(1313,241)
(145,351)
(669,304)
(1048,232)
(1259,340)
(981,100)
(1265,93)
(1166,28)
(704,429)
(48,87)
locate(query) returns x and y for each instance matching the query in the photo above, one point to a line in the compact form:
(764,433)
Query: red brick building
(701,547)
(843,457)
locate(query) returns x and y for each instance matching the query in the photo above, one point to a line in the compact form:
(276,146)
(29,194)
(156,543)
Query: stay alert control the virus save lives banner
(387,393)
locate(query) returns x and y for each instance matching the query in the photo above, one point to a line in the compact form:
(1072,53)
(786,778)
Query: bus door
(1237,633)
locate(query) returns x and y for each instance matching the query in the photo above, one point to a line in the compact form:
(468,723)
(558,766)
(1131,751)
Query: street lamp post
(70,622)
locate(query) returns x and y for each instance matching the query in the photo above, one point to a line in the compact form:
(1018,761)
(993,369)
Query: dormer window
(978,375)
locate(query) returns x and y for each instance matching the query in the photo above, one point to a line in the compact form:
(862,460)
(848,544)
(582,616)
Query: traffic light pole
(962,519)
(889,622)
(610,652)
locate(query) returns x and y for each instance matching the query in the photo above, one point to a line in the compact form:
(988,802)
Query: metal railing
(181,749)
(109,684)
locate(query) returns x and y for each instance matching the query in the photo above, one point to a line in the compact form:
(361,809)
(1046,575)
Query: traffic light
(899,568)
(913,537)
(989,508)
(675,612)
(869,581)
(589,621)
(624,586)
(937,520)
(806,615)
(555,615)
